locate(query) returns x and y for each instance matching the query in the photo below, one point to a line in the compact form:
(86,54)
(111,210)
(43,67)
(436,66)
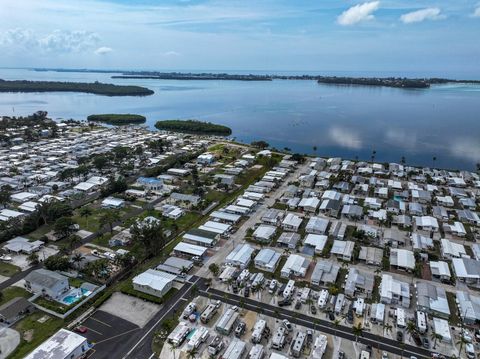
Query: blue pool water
(70,299)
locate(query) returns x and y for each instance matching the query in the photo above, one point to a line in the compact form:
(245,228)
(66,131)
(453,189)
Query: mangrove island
(117,118)
(194,126)
(96,88)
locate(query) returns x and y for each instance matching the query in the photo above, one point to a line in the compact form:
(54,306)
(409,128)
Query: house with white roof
(154,282)
(62,345)
(393,291)
(317,225)
(426,223)
(316,241)
(421,243)
(292,222)
(359,282)
(442,328)
(264,233)
(343,249)
(309,204)
(467,270)
(324,273)
(267,260)
(402,259)
(440,270)
(468,307)
(240,256)
(451,249)
(296,266)
(432,299)
(456,229)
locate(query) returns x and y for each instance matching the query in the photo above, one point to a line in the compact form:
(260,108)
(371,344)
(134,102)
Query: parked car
(313,309)
(240,329)
(470,351)
(341,355)
(400,336)
(384,355)
(287,325)
(81,329)
(331,316)
(417,339)
(298,304)
(426,343)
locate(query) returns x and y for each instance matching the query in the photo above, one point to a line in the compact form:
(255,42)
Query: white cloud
(103,50)
(476,12)
(171,54)
(345,138)
(57,41)
(431,13)
(358,13)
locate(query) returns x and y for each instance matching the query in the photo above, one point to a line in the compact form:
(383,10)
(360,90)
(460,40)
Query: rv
(289,289)
(258,330)
(208,313)
(421,319)
(199,337)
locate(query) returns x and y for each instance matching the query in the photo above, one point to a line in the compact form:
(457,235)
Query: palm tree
(435,337)
(172,350)
(462,341)
(77,258)
(387,327)
(357,331)
(336,323)
(86,212)
(411,328)
(192,353)
(73,240)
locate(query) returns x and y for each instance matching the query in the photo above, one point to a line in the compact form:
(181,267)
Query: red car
(81,329)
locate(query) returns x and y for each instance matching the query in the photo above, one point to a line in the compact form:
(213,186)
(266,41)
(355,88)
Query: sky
(402,36)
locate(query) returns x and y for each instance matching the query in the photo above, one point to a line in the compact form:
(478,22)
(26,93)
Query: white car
(470,351)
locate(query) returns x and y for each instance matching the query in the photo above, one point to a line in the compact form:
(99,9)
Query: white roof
(241,254)
(316,240)
(59,346)
(452,249)
(440,268)
(296,263)
(402,258)
(154,279)
(264,231)
(84,186)
(191,249)
(441,327)
(293,220)
(426,221)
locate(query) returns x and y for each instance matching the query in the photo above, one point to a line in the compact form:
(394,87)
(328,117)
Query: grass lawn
(454,318)
(7,269)
(40,232)
(102,240)
(13,292)
(39,332)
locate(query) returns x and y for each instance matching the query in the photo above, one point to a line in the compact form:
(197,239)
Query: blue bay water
(346,121)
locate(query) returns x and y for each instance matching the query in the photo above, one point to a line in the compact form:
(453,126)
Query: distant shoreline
(396,82)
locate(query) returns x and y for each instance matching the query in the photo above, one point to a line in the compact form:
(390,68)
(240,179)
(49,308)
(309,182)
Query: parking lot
(102,328)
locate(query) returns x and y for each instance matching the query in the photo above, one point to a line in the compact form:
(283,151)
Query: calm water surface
(351,122)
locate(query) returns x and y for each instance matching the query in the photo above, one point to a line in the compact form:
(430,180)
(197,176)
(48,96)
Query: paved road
(138,344)
(375,341)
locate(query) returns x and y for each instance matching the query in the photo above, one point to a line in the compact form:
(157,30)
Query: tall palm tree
(77,258)
(411,328)
(191,354)
(357,331)
(462,341)
(435,337)
(336,324)
(86,212)
(172,350)
(387,327)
